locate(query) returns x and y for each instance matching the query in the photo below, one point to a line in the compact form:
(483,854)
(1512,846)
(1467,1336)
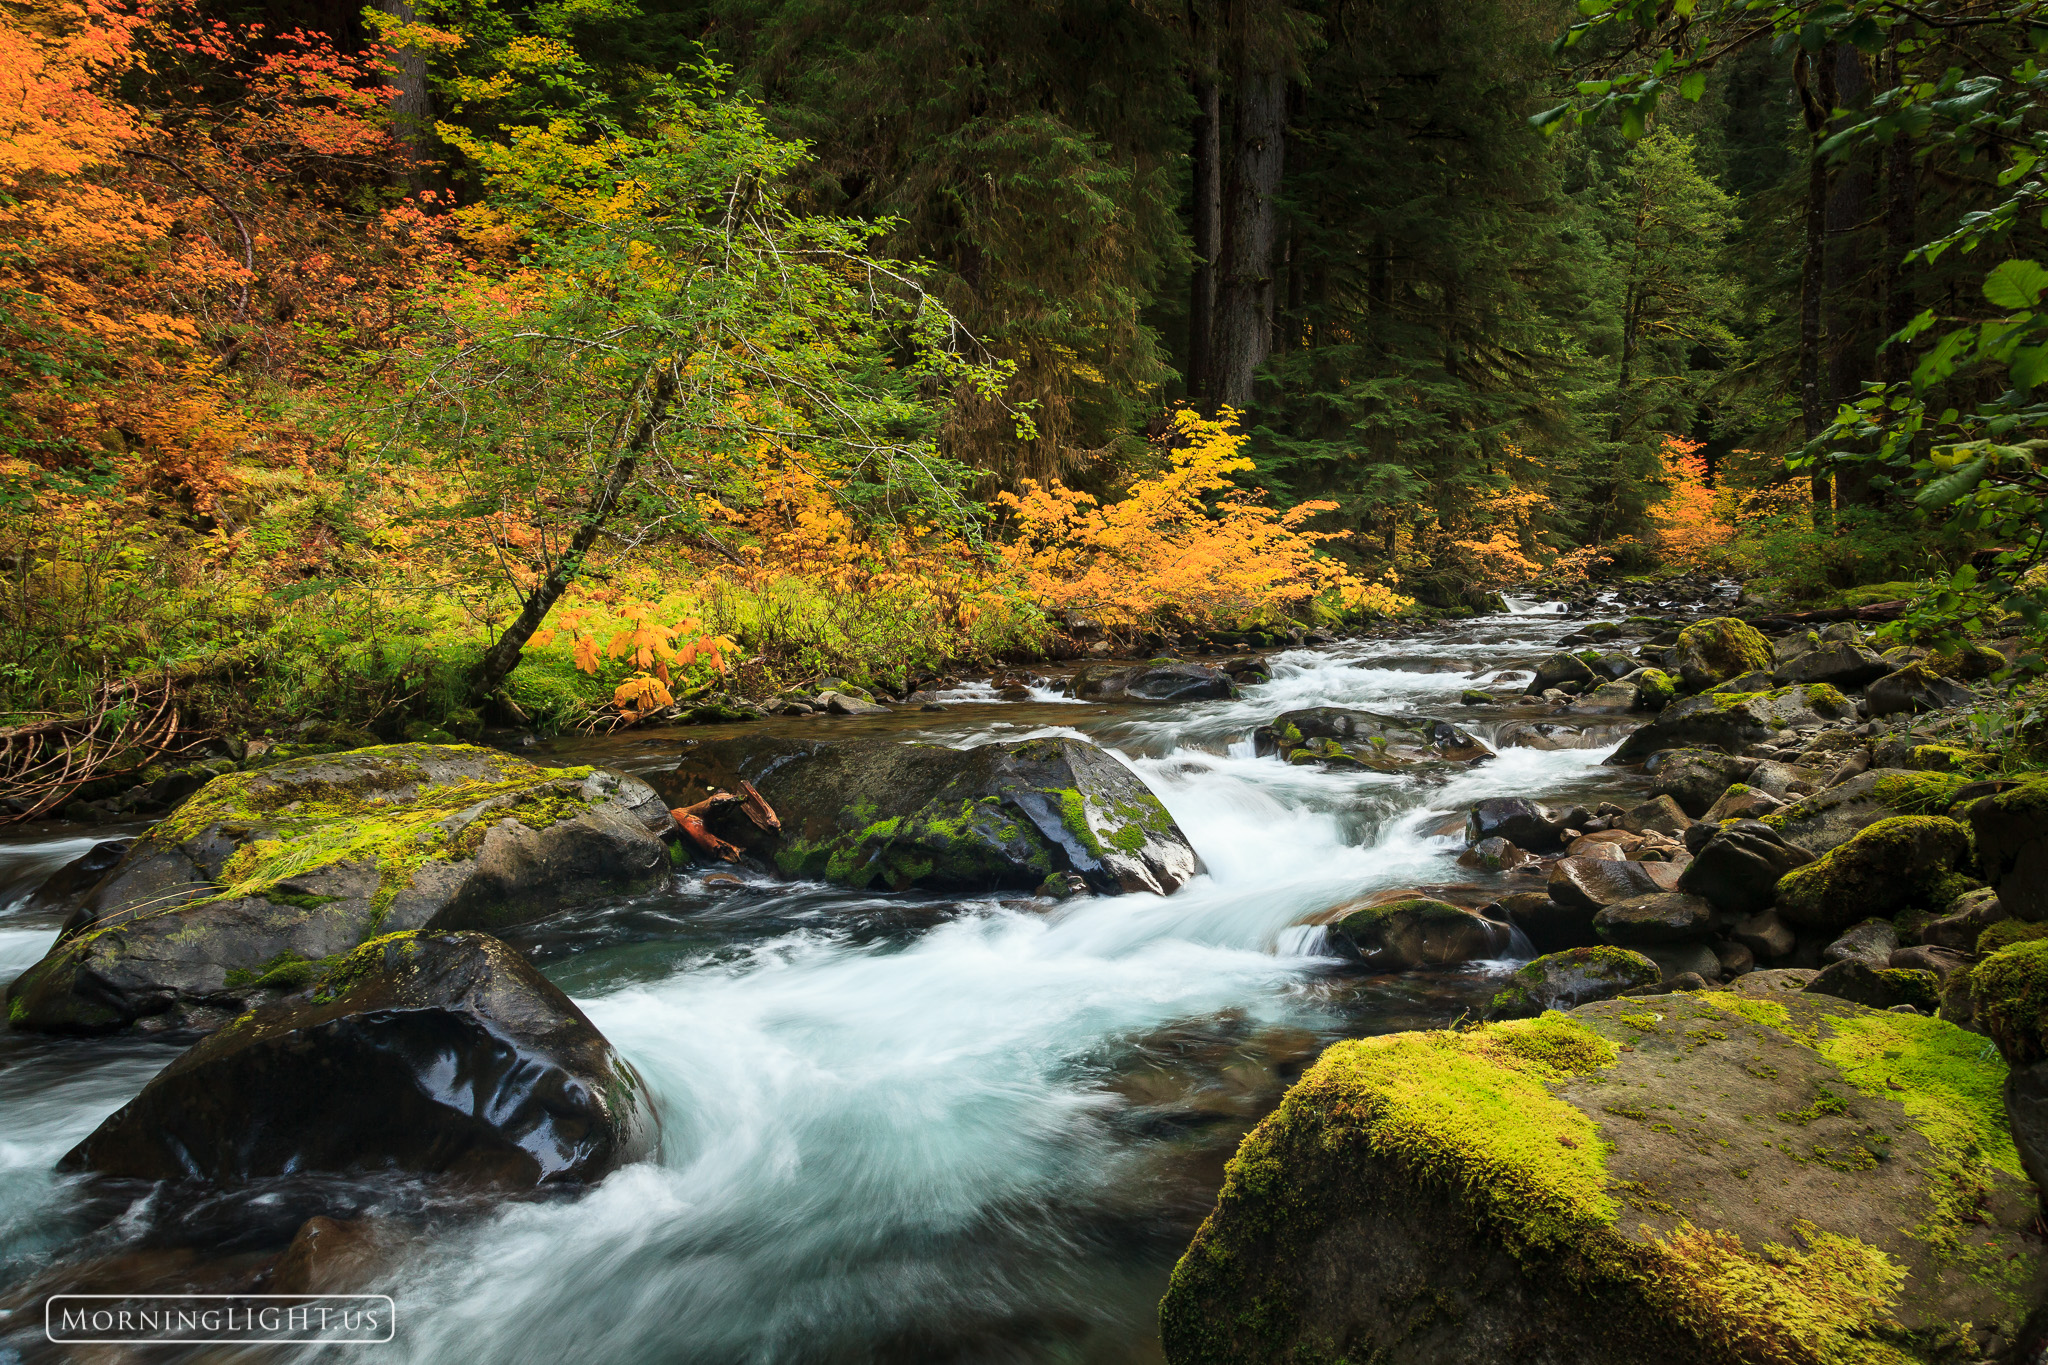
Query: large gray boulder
(1695,778)
(1830,817)
(2011,829)
(1416,932)
(1739,869)
(1163,683)
(875,813)
(1838,663)
(1578,976)
(436,1054)
(1734,721)
(245,889)
(1908,861)
(1916,687)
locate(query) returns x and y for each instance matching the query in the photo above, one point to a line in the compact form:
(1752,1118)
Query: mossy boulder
(1559,669)
(1416,932)
(1715,650)
(1331,736)
(876,813)
(1916,687)
(1734,721)
(241,891)
(2012,846)
(1696,1178)
(1840,663)
(1696,778)
(436,1054)
(1901,862)
(2008,993)
(1831,817)
(1655,689)
(1577,976)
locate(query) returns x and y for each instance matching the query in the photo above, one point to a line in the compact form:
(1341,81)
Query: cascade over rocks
(878,813)
(1734,721)
(1335,737)
(246,888)
(1739,868)
(1558,1191)
(440,1054)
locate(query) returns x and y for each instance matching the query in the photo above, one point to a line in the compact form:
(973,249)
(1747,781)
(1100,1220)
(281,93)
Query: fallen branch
(44,763)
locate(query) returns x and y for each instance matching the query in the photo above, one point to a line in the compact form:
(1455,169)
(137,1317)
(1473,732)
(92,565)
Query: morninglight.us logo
(219,1319)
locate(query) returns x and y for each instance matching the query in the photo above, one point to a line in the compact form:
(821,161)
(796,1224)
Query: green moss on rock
(1896,862)
(2010,990)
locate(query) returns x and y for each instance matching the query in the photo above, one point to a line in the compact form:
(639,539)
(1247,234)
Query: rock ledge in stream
(1000,816)
(1335,737)
(1692,1179)
(249,887)
(432,1054)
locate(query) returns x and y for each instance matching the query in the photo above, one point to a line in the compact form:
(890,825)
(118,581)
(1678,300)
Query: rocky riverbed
(948,1062)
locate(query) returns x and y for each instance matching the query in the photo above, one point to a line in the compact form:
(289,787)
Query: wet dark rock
(2011,829)
(440,1054)
(1966,920)
(1609,698)
(1742,802)
(1764,934)
(1943,962)
(1597,883)
(263,875)
(1740,867)
(1495,855)
(1406,934)
(1578,976)
(1614,667)
(1916,687)
(1661,917)
(1736,958)
(1676,959)
(1844,665)
(1519,821)
(1831,817)
(1734,722)
(64,891)
(1755,681)
(1660,813)
(1559,669)
(875,813)
(1880,988)
(1548,926)
(1158,683)
(1872,943)
(1695,778)
(1335,737)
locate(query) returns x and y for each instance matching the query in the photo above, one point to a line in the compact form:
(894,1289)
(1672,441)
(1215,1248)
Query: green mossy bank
(257,881)
(1677,1178)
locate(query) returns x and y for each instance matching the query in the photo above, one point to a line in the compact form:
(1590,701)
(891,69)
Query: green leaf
(1954,484)
(2029,366)
(1550,120)
(1693,86)
(2016,284)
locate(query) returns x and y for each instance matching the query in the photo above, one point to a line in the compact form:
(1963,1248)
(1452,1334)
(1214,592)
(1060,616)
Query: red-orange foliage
(1694,521)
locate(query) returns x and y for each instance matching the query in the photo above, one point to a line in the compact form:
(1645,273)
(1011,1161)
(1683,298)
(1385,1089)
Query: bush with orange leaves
(1186,543)
(1695,522)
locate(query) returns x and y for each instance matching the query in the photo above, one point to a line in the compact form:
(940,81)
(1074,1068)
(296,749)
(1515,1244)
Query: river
(897,1128)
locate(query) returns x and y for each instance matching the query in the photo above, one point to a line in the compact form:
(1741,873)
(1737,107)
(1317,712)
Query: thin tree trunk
(1817,104)
(1244,308)
(1208,229)
(412,108)
(1852,349)
(498,663)
(1901,235)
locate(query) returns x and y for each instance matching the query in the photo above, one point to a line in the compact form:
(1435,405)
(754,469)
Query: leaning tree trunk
(498,663)
(1244,310)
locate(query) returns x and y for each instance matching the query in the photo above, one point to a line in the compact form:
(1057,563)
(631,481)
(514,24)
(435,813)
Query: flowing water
(897,1128)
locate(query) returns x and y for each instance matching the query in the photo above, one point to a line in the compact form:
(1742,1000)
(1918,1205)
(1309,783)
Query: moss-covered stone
(1575,976)
(1331,736)
(1416,932)
(2010,992)
(297,862)
(1906,860)
(1733,721)
(1705,1178)
(1713,651)
(1655,688)
(2011,830)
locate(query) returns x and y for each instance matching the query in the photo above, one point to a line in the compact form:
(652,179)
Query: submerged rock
(246,888)
(1412,933)
(875,813)
(1560,1191)
(440,1054)
(1578,976)
(1734,721)
(1161,683)
(1336,737)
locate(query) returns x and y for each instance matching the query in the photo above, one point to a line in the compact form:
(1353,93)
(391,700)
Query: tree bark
(1901,235)
(1244,309)
(1852,348)
(412,108)
(1817,105)
(498,663)
(1208,228)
